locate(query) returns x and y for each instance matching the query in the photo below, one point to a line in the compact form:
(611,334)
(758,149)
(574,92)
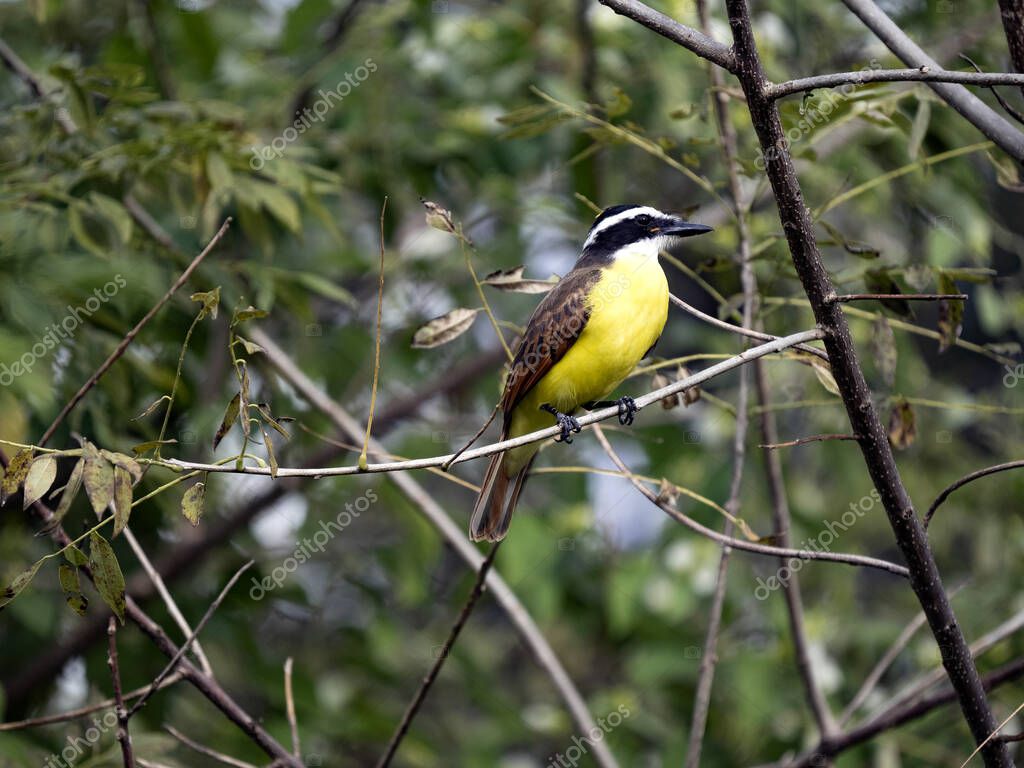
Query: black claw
(627,409)
(567,423)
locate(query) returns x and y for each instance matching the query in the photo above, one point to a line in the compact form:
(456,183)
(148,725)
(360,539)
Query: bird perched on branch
(582,341)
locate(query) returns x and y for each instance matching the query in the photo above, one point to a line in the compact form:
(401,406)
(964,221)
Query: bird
(582,341)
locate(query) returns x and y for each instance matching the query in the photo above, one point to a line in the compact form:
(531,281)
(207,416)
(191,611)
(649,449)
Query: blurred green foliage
(188,111)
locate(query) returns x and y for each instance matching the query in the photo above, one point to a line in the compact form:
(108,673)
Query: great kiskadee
(582,341)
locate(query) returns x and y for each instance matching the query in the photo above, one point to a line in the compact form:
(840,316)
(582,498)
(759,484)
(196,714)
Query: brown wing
(554,327)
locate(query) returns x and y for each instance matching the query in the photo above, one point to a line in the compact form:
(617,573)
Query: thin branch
(191,639)
(738,329)
(791,586)
(993,125)
(123,736)
(454,535)
(376,346)
(74,714)
(805,440)
(1007,107)
(289,703)
(902,296)
(964,481)
(667,27)
(220,757)
(165,595)
(590,418)
(14,63)
(746,546)
(130,336)
(435,669)
(924,74)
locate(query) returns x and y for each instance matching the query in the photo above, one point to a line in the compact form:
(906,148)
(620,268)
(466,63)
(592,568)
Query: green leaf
(20,581)
(951,315)
(75,556)
(81,221)
(192,503)
(149,445)
(280,205)
(880,281)
(71,586)
(902,424)
(115,213)
(251,347)
(250,312)
(217,172)
(229,419)
(883,349)
(324,287)
(125,462)
(619,104)
(210,301)
(107,574)
(824,374)
(98,477)
(17,470)
(271,456)
(122,498)
(40,477)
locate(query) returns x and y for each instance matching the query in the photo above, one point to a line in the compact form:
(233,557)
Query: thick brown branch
(874,442)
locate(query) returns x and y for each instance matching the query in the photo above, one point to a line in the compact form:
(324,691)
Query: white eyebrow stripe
(613,220)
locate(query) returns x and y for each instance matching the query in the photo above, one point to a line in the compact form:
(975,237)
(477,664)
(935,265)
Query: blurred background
(297,118)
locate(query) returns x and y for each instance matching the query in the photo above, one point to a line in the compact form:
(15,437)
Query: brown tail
(491,515)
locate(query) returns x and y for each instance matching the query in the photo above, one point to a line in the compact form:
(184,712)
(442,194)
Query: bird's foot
(627,410)
(567,423)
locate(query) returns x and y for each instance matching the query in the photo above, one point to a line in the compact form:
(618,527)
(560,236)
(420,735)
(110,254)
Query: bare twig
(898,716)
(746,546)
(964,481)
(289,703)
(74,714)
(165,595)
(993,125)
(435,669)
(130,336)
(1007,107)
(924,74)
(791,586)
(454,535)
(740,330)
(123,736)
(805,440)
(220,757)
(669,28)
(376,348)
(191,638)
(14,63)
(709,657)
(902,296)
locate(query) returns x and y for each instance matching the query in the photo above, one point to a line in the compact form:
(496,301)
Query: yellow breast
(628,310)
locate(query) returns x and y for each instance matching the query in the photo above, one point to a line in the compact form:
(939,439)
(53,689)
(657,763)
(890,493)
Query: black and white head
(634,229)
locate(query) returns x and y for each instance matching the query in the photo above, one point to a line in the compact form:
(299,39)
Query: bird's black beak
(682,228)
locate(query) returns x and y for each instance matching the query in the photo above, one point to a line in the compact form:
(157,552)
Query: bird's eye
(643,219)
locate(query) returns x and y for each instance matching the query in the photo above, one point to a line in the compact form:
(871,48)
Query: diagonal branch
(993,125)
(667,27)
